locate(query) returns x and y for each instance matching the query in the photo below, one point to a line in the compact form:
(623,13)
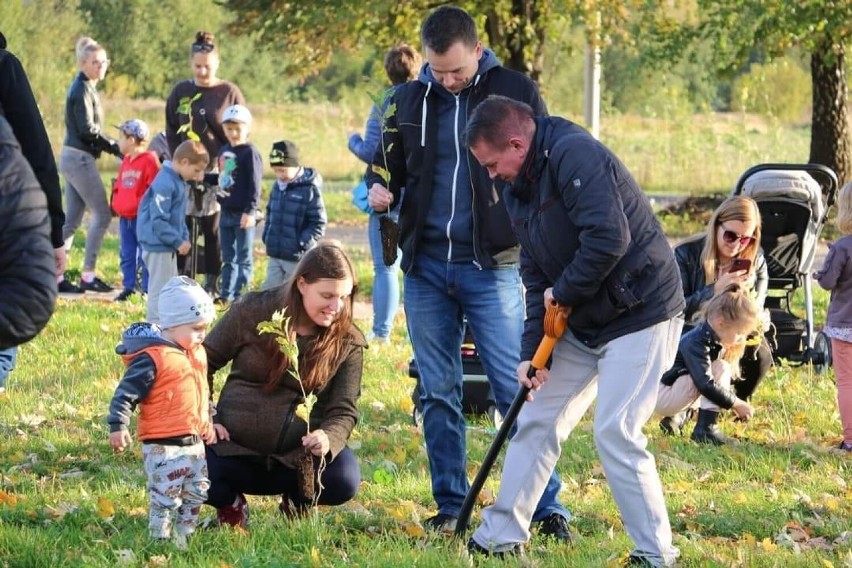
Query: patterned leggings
(177,486)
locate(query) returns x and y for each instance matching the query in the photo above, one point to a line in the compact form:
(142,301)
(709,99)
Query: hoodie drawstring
(423,116)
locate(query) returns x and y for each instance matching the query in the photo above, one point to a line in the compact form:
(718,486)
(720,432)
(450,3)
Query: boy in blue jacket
(160,224)
(295,214)
(240,175)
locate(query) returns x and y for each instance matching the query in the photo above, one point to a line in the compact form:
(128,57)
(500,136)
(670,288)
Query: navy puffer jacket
(27,265)
(295,216)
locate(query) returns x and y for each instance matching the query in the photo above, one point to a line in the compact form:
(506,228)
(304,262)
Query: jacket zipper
(454,188)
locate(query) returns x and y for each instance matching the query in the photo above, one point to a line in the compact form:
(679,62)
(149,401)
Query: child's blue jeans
(7,363)
(130,255)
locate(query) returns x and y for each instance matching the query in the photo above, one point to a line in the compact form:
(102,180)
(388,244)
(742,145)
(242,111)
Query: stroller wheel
(494,416)
(821,354)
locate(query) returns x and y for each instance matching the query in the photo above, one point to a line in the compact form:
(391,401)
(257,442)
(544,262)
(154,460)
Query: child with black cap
(166,376)
(295,214)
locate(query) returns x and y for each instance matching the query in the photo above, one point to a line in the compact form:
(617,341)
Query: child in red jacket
(135,175)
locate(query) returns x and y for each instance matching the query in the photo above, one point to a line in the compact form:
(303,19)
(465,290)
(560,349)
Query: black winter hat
(284,153)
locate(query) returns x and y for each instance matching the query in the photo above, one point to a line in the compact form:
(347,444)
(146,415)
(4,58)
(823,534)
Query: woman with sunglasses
(194,109)
(728,252)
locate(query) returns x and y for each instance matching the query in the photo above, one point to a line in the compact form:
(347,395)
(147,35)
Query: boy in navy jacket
(295,214)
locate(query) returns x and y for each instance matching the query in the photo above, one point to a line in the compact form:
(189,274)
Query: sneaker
(474,549)
(441,523)
(221,302)
(125,295)
(844,445)
(234,515)
(96,285)
(180,542)
(555,526)
(68,287)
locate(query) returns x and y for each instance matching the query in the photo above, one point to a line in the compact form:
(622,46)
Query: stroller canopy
(792,212)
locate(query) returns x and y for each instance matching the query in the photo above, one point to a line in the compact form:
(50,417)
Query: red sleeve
(149,172)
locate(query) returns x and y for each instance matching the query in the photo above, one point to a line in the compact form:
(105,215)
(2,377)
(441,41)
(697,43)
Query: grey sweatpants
(162,267)
(84,190)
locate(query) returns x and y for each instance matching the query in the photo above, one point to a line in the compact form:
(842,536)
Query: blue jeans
(385,282)
(7,363)
(236,254)
(130,255)
(437,297)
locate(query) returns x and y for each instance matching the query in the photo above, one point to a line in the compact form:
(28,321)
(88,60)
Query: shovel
(555,321)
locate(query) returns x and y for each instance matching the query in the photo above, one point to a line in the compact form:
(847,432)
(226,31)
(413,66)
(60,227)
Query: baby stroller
(793,200)
(477,397)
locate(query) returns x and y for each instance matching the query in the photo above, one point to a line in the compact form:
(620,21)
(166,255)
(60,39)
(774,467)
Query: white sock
(88,276)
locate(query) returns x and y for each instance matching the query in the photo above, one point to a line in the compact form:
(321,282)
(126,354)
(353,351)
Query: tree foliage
(312,33)
(738,28)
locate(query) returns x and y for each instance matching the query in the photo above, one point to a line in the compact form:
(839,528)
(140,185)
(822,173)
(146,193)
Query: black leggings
(246,474)
(754,365)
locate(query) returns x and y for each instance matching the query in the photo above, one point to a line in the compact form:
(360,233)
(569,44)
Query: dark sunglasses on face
(731,237)
(202,47)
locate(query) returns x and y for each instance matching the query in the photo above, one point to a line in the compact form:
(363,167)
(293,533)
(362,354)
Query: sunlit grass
(782,497)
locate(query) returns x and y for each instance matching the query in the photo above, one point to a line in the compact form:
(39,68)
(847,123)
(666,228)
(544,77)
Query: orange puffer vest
(178,402)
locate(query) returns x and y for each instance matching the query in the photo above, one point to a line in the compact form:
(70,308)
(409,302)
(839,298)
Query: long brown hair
(324,354)
(734,208)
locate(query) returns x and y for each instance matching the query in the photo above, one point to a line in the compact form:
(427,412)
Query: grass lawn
(781,497)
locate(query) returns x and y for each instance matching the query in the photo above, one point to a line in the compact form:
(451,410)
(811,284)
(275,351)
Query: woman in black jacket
(727,253)
(84,143)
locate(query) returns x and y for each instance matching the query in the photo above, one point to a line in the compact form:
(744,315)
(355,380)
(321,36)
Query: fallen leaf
(414,529)
(8,499)
(125,556)
(105,508)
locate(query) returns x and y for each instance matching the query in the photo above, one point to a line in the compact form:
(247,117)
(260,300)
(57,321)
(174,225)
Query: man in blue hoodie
(459,254)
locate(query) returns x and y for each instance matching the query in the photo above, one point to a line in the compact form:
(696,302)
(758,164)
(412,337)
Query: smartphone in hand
(739,264)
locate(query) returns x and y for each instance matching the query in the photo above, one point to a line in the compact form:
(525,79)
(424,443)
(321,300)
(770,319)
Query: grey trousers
(624,374)
(278,271)
(84,190)
(162,267)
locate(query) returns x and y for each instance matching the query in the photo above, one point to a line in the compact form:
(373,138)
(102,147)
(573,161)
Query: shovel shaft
(539,361)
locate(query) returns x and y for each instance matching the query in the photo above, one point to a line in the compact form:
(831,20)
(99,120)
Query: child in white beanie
(166,376)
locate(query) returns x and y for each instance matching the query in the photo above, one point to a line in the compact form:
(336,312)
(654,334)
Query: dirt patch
(695,208)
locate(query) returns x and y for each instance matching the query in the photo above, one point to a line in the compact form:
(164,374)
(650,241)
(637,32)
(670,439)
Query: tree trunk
(523,40)
(830,119)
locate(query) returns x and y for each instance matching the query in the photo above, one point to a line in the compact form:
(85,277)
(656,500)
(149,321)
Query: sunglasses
(202,47)
(731,237)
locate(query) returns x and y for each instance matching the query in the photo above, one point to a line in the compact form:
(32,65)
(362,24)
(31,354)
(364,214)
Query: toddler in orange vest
(166,376)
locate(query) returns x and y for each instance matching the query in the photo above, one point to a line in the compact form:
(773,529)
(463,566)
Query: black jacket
(409,149)
(697,349)
(84,119)
(587,229)
(27,265)
(18,105)
(695,289)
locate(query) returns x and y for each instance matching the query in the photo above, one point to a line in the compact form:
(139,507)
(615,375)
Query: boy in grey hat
(166,376)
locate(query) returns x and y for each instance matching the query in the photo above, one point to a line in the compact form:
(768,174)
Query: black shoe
(441,523)
(68,287)
(673,425)
(96,285)
(556,527)
(221,302)
(474,549)
(125,295)
(845,446)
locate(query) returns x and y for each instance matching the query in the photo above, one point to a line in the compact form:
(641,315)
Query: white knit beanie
(182,301)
